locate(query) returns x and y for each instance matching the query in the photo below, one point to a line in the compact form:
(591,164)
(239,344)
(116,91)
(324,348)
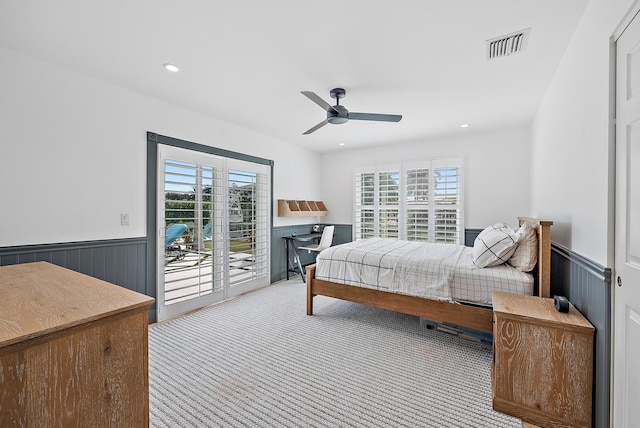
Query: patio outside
(191,272)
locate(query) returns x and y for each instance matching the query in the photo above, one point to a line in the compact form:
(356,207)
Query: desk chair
(325,241)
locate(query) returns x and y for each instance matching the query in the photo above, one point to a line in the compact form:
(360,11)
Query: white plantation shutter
(388,202)
(365,205)
(191,193)
(416,201)
(377,195)
(447,197)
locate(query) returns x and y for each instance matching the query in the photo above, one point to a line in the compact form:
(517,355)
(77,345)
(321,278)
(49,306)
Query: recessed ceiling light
(171,67)
(341,144)
(464,125)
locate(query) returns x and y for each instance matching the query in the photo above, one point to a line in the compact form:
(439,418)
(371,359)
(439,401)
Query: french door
(213,223)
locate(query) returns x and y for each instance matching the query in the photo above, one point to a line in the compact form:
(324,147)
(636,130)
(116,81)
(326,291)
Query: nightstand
(542,362)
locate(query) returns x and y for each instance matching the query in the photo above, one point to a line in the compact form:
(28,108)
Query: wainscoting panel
(588,286)
(341,234)
(123,261)
(118,261)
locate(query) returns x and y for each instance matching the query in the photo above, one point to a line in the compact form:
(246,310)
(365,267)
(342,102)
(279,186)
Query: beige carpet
(259,361)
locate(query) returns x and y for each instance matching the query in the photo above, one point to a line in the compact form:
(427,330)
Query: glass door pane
(248,228)
(190,269)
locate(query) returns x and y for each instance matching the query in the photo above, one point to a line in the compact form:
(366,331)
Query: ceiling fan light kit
(338,114)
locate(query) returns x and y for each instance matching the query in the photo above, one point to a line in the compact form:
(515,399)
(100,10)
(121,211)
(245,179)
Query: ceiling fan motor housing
(338,116)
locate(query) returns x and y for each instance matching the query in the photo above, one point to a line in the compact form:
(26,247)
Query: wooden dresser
(542,362)
(73,350)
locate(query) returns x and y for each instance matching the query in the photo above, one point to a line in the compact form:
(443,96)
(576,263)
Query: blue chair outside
(171,248)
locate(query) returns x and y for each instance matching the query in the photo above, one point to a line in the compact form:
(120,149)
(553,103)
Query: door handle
(619,281)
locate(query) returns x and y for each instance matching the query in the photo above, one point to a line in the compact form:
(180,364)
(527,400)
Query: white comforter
(433,271)
(392,265)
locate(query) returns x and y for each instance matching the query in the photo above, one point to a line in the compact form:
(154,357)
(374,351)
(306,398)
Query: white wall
(496,174)
(572,167)
(73,154)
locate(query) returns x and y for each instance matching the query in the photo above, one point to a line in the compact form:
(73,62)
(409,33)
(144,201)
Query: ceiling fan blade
(375,116)
(315,128)
(316,99)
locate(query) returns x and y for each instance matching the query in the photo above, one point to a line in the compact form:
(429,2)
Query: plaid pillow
(494,245)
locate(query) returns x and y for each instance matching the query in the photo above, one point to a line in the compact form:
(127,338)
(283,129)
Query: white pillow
(525,256)
(494,245)
(492,228)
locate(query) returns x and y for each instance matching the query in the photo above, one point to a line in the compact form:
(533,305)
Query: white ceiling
(246,62)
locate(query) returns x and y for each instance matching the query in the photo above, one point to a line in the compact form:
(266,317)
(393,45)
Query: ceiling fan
(339,114)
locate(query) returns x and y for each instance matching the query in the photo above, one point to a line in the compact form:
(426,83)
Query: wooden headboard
(543,268)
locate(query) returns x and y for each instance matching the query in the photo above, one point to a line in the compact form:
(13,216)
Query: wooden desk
(290,244)
(73,350)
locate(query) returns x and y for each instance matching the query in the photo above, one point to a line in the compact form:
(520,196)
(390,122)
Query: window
(416,201)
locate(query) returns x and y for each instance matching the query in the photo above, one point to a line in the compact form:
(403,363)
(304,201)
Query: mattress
(434,271)
(474,285)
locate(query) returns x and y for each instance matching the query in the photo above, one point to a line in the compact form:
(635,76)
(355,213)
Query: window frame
(153,142)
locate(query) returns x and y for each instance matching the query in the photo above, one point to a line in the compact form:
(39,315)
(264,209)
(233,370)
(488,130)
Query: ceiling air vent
(507,45)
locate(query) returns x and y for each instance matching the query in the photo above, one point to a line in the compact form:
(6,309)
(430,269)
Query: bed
(445,307)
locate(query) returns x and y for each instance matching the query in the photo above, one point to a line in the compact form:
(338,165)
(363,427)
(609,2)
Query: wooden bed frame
(476,317)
